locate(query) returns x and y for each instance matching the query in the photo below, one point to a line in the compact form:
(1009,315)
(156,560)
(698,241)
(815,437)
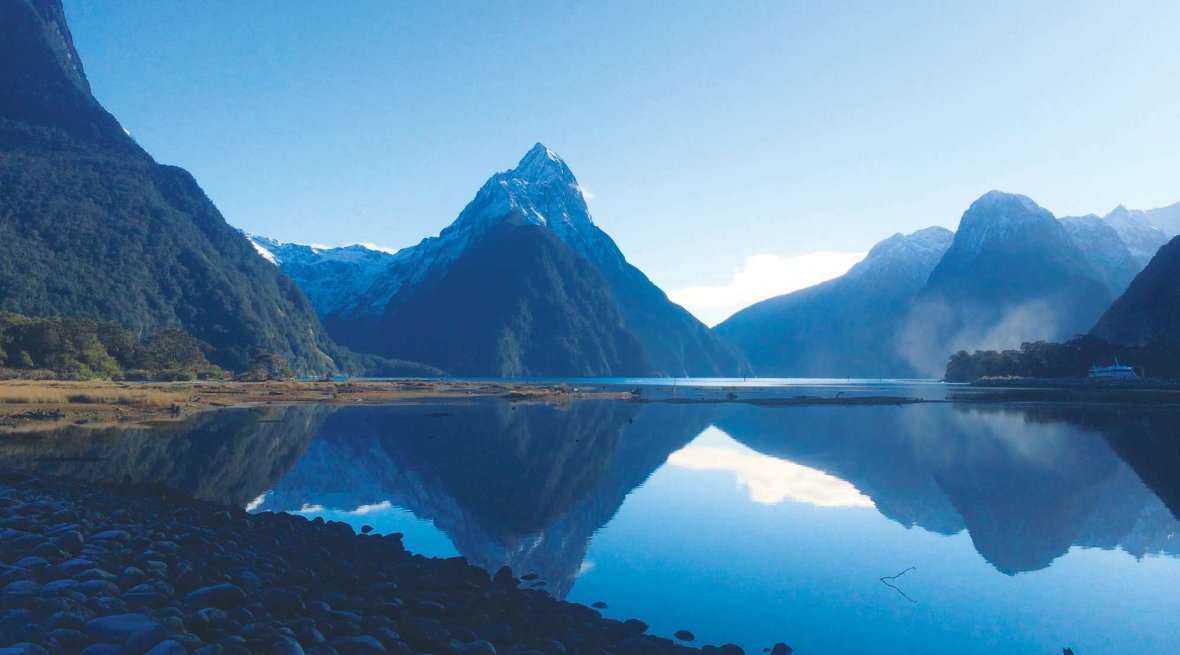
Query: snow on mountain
(357,291)
(999,217)
(1136,230)
(904,256)
(335,280)
(361,281)
(266,254)
(1104,249)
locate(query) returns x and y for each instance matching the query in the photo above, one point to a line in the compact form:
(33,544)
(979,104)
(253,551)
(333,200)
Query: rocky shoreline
(101,570)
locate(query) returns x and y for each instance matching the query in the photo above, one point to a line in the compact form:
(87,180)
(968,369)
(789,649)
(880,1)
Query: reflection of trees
(229,456)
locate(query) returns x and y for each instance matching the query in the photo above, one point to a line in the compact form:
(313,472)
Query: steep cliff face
(1149,310)
(90,225)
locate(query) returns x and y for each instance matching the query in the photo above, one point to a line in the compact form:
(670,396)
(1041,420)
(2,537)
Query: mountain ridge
(540,191)
(1005,277)
(838,328)
(1148,310)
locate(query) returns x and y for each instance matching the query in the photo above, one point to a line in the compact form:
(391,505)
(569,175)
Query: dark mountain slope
(90,225)
(1149,310)
(519,303)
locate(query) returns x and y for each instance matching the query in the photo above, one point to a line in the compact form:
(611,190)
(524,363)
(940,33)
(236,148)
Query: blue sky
(708,132)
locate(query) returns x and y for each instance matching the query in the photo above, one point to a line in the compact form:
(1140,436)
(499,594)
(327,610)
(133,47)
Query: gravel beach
(100,570)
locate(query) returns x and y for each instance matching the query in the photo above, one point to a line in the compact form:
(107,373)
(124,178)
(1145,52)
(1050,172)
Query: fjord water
(1019,530)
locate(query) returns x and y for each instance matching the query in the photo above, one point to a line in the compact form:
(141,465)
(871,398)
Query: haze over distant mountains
(837,328)
(524,273)
(1012,273)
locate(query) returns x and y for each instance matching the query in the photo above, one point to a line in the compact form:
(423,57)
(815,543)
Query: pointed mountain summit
(1012,274)
(846,327)
(538,209)
(92,226)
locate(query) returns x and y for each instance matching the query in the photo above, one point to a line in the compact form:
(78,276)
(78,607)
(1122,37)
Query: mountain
(518,303)
(335,280)
(569,469)
(1150,308)
(1104,249)
(383,299)
(1012,274)
(91,225)
(846,326)
(1141,230)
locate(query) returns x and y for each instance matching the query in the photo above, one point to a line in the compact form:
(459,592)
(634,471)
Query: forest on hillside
(77,348)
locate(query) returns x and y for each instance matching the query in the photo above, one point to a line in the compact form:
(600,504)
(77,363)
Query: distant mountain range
(91,225)
(838,328)
(1012,273)
(523,283)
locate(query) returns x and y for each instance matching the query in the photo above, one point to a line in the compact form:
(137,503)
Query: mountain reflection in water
(530,486)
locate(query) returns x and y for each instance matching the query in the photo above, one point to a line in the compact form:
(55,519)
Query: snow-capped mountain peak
(998,217)
(910,255)
(540,165)
(541,190)
(1136,230)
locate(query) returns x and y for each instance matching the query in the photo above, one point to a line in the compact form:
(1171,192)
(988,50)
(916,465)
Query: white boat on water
(1115,370)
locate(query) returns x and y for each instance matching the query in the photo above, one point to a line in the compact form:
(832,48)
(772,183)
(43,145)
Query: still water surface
(1014,530)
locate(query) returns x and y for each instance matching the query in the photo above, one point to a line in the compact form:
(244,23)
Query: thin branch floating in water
(888,580)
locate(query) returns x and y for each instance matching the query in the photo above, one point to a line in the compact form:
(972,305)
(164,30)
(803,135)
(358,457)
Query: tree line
(1072,359)
(79,348)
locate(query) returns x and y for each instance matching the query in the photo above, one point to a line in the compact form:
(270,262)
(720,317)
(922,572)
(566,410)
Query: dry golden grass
(88,393)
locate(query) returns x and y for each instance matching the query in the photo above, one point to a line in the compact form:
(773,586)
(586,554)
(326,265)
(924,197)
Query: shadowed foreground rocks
(109,570)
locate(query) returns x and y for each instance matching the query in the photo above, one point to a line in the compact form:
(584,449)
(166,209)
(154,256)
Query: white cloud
(587,194)
(256,503)
(763,276)
(770,480)
(369,509)
(380,248)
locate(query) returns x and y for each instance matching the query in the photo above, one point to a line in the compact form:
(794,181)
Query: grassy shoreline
(46,405)
(42,405)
